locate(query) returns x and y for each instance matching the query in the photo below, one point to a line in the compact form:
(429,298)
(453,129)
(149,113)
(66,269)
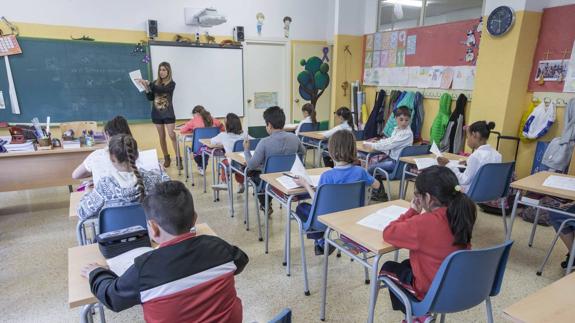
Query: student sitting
(227,139)
(127,184)
(279,142)
(309,116)
(439,222)
(477,136)
(343,151)
(98,164)
(344,120)
(201,118)
(188,278)
(567,235)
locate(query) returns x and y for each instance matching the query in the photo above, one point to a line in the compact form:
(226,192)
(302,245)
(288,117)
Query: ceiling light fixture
(408,3)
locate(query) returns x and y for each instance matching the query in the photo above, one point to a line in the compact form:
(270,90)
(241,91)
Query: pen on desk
(289,175)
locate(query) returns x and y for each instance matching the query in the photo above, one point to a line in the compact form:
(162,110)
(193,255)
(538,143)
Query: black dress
(163,107)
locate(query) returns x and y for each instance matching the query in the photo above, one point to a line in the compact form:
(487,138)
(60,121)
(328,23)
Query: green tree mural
(314,79)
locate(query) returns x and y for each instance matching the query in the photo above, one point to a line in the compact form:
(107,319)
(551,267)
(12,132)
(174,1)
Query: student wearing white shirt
(227,139)
(477,136)
(309,116)
(344,120)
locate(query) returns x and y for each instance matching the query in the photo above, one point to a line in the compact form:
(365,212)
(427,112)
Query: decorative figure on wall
(210,39)
(469,55)
(479,27)
(314,79)
(325,58)
(84,37)
(287,22)
(470,42)
(260,17)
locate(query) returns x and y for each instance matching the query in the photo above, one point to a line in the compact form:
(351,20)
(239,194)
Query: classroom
(287,161)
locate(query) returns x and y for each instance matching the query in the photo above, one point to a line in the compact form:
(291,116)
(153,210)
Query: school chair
(328,199)
(308,143)
(491,183)
(235,167)
(110,219)
(273,164)
(571,252)
(359,134)
(399,169)
(283,317)
(465,279)
(199,133)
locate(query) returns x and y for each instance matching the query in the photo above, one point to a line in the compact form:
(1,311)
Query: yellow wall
(345,68)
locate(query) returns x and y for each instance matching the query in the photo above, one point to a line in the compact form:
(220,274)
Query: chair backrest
(78,127)
(308,126)
(466,278)
(359,134)
(283,317)
(328,199)
(120,217)
(415,150)
(278,163)
(239,144)
(203,133)
(491,182)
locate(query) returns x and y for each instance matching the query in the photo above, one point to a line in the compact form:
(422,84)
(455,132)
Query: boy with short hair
(279,142)
(187,278)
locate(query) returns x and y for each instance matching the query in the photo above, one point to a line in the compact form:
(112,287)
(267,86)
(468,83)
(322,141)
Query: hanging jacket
(539,121)
(558,153)
(524,118)
(393,99)
(407,100)
(441,119)
(371,125)
(453,139)
(418,116)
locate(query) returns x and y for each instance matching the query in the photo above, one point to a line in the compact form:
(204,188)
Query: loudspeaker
(239,34)
(152,29)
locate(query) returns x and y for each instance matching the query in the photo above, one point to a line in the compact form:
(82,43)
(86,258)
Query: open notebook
(297,169)
(382,218)
(121,263)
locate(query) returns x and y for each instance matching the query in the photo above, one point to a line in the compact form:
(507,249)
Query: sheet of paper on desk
(134,76)
(560,182)
(121,263)
(435,150)
(382,218)
(148,159)
(289,184)
(291,125)
(423,163)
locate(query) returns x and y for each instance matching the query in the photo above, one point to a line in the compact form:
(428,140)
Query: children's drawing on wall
(411,45)
(470,41)
(369,42)
(400,57)
(551,70)
(401,39)
(314,79)
(469,55)
(260,17)
(287,22)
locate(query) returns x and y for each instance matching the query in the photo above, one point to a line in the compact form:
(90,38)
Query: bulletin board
(556,35)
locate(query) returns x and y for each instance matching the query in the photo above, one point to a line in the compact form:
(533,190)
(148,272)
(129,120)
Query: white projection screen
(207,76)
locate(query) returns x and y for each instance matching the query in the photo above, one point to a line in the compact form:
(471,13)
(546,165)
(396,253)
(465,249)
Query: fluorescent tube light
(409,3)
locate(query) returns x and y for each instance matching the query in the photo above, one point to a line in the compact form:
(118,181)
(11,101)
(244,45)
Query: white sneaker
(220,187)
(201,171)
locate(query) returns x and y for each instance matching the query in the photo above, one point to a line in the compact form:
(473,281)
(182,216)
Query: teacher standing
(161,92)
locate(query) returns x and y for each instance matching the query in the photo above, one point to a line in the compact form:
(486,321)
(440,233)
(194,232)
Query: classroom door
(304,50)
(266,79)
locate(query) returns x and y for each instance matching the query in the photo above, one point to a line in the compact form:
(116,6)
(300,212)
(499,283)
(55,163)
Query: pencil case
(117,242)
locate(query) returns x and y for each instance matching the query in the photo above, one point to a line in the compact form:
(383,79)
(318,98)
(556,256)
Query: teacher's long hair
(168,79)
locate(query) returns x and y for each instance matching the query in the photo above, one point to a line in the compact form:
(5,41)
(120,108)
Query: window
(401,14)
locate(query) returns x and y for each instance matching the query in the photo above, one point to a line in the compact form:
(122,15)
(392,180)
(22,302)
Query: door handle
(296,100)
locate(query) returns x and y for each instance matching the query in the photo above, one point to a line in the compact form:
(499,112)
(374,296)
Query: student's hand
(87,269)
(442,161)
(246,144)
(145,83)
(300,181)
(416,204)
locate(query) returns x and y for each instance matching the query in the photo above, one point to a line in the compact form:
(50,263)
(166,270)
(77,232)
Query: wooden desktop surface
(450,156)
(43,168)
(271,178)
(78,287)
(318,135)
(345,222)
(237,157)
(553,303)
(534,183)
(208,143)
(364,149)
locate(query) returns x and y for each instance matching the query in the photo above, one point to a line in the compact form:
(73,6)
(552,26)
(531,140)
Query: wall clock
(500,21)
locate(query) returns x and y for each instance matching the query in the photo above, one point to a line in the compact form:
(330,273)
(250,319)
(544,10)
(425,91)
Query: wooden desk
(345,223)
(237,157)
(290,127)
(183,138)
(553,303)
(271,179)
(212,150)
(316,143)
(42,168)
(78,287)
(208,143)
(367,150)
(450,156)
(75,198)
(317,135)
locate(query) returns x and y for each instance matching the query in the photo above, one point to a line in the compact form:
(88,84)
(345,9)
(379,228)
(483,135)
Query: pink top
(198,122)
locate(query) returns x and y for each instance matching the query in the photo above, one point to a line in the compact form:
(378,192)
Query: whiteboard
(211,77)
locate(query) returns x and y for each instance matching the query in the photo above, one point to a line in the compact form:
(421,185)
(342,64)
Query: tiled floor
(35,233)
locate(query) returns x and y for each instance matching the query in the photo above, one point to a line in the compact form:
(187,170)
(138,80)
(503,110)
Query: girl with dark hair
(309,115)
(228,139)
(201,118)
(439,222)
(477,136)
(344,121)
(98,164)
(128,184)
(161,92)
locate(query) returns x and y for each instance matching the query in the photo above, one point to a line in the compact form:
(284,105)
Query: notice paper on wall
(570,76)
(382,218)
(560,182)
(11,88)
(135,76)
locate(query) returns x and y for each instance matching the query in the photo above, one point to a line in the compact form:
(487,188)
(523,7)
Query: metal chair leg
(540,271)
(303,260)
(489,310)
(503,215)
(365,269)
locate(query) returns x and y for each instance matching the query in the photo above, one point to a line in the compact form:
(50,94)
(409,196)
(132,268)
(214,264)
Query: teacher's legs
(163,145)
(170,128)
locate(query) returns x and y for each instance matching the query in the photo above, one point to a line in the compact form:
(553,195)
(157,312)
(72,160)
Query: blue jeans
(387,165)
(302,212)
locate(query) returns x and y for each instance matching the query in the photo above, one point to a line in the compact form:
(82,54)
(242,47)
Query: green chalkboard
(74,80)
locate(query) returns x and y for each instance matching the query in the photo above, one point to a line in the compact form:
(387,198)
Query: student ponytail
(443,186)
(346,115)
(125,149)
(310,109)
(483,128)
(206,116)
